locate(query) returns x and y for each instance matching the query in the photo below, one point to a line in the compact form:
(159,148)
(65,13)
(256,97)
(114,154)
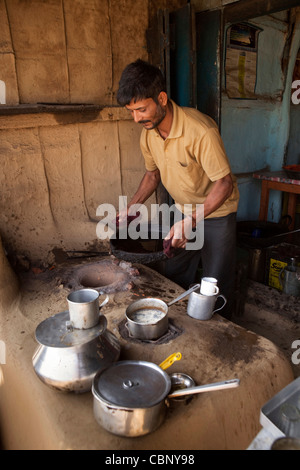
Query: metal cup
(289,278)
(202,307)
(84,308)
(209,286)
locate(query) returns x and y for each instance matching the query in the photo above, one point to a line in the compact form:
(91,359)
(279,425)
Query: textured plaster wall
(68,51)
(56,168)
(55,175)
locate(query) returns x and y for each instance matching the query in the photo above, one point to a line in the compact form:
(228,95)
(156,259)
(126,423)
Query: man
(183,149)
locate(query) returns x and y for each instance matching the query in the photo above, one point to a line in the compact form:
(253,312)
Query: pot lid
(132,384)
(55,333)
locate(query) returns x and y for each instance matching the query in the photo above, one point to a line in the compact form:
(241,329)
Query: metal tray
(270,413)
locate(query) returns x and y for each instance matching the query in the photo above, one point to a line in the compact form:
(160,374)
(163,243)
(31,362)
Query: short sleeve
(212,155)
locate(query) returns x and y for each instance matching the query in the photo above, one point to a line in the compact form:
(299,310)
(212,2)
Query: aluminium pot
(147,319)
(130,398)
(68,359)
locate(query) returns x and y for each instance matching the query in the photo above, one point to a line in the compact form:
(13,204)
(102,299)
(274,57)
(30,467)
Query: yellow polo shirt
(190,159)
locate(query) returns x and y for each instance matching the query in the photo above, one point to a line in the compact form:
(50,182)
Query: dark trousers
(217,256)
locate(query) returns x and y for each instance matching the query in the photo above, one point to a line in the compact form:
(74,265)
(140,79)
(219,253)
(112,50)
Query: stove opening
(106,275)
(95,278)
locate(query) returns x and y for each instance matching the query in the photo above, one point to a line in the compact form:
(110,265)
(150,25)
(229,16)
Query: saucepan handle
(189,291)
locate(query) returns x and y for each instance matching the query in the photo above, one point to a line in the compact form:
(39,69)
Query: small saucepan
(130,398)
(147,319)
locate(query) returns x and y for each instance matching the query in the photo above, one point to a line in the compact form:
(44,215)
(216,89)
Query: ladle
(205,388)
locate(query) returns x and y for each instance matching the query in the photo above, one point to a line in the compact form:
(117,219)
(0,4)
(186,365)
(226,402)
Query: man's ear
(163,98)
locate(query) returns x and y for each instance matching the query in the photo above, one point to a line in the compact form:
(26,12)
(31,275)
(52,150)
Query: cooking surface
(212,351)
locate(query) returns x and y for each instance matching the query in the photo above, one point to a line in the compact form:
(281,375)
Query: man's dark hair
(140,80)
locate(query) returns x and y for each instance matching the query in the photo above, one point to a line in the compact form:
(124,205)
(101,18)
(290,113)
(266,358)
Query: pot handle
(189,291)
(103,324)
(104,302)
(128,330)
(169,361)
(205,388)
(225,302)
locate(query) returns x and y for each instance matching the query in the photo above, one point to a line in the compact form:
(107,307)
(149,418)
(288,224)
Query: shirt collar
(177,123)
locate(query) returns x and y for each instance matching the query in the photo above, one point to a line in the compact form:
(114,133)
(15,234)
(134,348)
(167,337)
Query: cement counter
(34,416)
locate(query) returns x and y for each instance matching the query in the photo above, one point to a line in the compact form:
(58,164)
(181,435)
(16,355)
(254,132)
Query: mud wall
(68,51)
(65,145)
(56,171)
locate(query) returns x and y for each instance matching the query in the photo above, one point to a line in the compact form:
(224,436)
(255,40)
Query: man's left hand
(180,232)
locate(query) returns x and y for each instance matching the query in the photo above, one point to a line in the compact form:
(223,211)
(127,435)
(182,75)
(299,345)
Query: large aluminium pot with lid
(130,397)
(67,359)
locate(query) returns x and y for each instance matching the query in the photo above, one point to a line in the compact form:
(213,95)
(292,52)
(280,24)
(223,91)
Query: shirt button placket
(166,150)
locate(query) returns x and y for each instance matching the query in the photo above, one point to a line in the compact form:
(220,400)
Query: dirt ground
(274,315)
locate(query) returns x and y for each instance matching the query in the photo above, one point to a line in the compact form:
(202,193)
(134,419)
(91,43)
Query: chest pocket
(189,176)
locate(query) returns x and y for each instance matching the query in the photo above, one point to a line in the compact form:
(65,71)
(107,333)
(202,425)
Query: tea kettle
(68,358)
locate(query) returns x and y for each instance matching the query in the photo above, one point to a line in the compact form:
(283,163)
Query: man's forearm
(221,190)
(148,185)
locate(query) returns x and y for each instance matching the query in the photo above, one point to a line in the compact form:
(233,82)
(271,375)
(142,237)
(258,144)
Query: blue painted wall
(293,152)
(256,132)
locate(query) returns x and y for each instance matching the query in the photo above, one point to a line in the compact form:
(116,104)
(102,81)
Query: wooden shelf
(48,108)
(43,114)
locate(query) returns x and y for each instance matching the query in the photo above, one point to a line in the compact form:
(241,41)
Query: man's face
(147,112)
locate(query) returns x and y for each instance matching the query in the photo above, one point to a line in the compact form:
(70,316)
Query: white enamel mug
(209,286)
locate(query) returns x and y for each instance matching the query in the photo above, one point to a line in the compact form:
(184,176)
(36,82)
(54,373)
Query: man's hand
(121,219)
(180,232)
(126,215)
